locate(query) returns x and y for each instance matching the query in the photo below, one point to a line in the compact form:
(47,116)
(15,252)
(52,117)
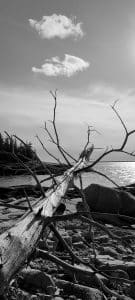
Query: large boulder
(110,200)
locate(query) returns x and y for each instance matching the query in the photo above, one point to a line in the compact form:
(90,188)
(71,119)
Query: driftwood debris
(82,291)
(18,243)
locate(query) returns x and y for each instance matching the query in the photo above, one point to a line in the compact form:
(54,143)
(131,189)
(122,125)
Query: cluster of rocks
(114,260)
(42,278)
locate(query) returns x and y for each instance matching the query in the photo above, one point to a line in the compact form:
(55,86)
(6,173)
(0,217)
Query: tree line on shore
(9,146)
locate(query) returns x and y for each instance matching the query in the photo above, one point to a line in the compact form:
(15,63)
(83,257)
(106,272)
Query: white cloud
(68,67)
(57,26)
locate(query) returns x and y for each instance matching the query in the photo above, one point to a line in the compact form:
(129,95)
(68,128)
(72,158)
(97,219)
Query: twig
(112,150)
(79,260)
(44,166)
(73,256)
(110,292)
(28,169)
(105,176)
(55,143)
(54,95)
(68,154)
(27,198)
(101,226)
(45,255)
(48,178)
(87,208)
(46,150)
(14,206)
(88,137)
(104,217)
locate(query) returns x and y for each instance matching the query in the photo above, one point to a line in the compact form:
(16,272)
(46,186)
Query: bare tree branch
(54,95)
(113,150)
(73,256)
(27,168)
(27,198)
(105,176)
(23,237)
(48,152)
(43,165)
(55,142)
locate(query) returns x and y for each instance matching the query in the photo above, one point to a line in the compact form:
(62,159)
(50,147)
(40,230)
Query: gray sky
(85,49)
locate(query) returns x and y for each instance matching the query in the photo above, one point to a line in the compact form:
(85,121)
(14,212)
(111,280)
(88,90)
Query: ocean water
(123,173)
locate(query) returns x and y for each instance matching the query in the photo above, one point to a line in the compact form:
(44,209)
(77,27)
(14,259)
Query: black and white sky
(85,49)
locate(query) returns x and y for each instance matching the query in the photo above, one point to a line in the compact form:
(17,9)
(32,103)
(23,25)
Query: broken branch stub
(18,242)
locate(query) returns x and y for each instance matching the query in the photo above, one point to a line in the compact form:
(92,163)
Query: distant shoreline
(7,168)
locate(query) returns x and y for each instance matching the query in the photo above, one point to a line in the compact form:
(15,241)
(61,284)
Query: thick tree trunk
(17,243)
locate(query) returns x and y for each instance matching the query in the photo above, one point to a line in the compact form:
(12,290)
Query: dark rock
(35,279)
(102,239)
(110,200)
(109,251)
(131,291)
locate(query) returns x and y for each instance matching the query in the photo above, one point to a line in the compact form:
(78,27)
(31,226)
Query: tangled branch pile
(52,252)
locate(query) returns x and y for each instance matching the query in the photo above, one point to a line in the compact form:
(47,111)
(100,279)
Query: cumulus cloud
(57,26)
(68,67)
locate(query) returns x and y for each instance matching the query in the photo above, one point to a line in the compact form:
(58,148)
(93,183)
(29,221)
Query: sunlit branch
(48,152)
(105,176)
(54,95)
(113,150)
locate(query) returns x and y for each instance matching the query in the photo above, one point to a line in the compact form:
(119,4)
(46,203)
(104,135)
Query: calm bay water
(122,173)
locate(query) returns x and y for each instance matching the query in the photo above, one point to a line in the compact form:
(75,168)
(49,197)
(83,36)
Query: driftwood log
(19,242)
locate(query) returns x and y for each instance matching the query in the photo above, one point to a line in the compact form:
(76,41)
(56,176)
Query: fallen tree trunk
(18,243)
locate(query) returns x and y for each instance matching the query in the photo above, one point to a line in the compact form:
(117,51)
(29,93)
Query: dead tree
(18,243)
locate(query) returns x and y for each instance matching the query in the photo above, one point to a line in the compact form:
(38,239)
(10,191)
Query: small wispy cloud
(103,93)
(57,26)
(68,67)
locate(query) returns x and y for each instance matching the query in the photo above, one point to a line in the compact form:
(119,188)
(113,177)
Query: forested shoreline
(24,151)
(11,145)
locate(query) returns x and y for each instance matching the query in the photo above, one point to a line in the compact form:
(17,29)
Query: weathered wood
(80,291)
(17,243)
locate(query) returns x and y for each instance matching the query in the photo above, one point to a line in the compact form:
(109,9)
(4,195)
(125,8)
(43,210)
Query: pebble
(79,245)
(109,251)
(119,274)
(76,238)
(121,249)
(103,239)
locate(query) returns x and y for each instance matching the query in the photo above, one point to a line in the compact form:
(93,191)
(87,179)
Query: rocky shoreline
(12,168)
(45,278)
